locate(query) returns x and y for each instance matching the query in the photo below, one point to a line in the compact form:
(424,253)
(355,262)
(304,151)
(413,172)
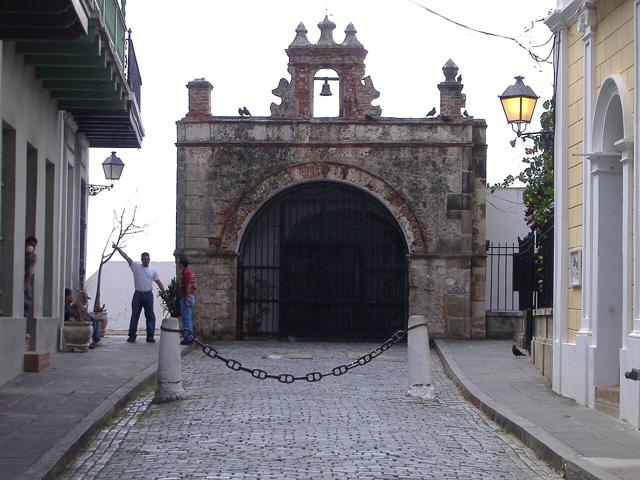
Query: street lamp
(519,102)
(112,167)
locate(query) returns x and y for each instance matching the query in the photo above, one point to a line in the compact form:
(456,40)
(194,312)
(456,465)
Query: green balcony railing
(113,18)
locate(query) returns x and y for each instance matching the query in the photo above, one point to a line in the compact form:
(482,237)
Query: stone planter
(102,319)
(76,336)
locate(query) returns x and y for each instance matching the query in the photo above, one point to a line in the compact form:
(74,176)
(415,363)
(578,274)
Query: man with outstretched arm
(143,278)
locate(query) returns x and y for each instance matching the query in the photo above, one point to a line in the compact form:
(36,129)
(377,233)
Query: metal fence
(500,293)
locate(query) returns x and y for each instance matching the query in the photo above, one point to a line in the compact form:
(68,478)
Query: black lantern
(112,167)
(518,102)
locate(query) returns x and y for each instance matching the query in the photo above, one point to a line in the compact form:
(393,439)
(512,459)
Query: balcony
(92,70)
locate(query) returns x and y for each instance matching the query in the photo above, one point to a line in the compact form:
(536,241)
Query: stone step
(607,400)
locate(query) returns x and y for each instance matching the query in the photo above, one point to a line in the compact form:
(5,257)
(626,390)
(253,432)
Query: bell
(326,90)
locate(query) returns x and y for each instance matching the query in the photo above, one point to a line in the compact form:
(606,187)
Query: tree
(537,176)
(122,230)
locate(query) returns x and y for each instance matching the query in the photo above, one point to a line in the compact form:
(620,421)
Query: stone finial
(452,100)
(350,39)
(301,39)
(199,98)
(450,70)
(326,32)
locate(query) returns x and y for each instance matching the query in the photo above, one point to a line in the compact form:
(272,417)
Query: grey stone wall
(429,173)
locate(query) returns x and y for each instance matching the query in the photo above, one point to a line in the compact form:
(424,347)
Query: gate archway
(322,260)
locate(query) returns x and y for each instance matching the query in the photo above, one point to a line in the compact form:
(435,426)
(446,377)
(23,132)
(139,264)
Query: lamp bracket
(93,190)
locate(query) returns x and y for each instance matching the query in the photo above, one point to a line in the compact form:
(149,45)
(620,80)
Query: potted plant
(76,333)
(171,300)
(122,229)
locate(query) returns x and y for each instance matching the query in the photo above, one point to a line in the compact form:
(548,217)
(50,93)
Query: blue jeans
(186,312)
(139,301)
(95,338)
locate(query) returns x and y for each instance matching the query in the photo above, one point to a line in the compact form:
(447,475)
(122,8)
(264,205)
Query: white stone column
(626,160)
(587,20)
(635,332)
(419,357)
(169,386)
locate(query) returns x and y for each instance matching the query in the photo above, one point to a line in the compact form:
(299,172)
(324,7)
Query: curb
(557,454)
(50,465)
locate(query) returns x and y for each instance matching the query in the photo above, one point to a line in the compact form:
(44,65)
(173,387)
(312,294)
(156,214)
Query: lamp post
(112,167)
(518,102)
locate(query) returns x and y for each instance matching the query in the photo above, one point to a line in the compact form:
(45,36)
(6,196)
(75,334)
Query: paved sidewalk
(585,443)
(46,417)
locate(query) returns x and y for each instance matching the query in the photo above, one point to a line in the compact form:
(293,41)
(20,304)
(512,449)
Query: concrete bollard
(169,364)
(419,355)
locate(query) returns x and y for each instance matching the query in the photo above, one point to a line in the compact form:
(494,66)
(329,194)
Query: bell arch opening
(322,259)
(326,94)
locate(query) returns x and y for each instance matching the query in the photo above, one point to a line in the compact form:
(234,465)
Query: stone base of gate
(505,325)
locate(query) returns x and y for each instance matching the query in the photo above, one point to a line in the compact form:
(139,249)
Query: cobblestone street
(360,425)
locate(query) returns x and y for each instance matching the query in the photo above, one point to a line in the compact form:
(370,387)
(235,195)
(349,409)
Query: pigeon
(517,353)
(466,114)
(459,79)
(240,112)
(369,117)
(246,112)
(445,118)
(432,112)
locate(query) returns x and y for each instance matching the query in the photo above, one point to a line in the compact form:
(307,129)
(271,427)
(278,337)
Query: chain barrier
(309,377)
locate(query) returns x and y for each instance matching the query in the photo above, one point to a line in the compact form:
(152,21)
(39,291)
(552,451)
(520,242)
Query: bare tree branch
(123,229)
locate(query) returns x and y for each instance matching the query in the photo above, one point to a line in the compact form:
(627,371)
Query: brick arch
(415,234)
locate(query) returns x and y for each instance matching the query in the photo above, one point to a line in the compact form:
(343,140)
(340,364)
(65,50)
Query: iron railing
(133,72)
(501,295)
(113,19)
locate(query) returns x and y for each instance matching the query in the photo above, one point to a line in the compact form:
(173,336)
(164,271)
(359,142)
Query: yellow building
(597,234)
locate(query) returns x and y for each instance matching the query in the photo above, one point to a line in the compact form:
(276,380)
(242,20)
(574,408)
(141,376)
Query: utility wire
(491,34)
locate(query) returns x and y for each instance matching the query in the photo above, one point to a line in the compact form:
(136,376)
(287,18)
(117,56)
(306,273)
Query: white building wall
(28,109)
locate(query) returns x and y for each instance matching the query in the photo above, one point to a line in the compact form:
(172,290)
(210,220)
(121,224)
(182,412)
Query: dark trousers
(139,301)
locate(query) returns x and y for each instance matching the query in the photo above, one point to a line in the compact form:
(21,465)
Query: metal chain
(309,377)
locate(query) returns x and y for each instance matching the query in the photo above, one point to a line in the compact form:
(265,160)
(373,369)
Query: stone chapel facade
(306,227)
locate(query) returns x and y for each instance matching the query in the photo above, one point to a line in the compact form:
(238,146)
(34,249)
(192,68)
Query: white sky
(238,45)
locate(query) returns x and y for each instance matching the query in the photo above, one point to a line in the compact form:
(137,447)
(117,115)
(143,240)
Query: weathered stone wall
(429,173)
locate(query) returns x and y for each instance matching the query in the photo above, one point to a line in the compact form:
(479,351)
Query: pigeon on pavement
(517,352)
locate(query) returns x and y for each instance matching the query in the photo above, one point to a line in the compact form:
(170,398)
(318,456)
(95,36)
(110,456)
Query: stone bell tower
(314,227)
(305,59)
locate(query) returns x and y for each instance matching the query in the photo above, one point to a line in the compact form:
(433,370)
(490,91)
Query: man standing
(30,259)
(143,278)
(187,299)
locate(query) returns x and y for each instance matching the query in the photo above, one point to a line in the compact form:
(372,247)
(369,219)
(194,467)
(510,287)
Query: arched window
(324,105)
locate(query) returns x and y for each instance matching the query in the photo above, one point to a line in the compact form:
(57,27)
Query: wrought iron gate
(322,260)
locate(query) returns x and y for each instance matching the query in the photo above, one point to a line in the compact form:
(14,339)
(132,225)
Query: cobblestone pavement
(360,425)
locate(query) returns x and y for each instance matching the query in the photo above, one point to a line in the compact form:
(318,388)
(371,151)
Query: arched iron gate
(322,260)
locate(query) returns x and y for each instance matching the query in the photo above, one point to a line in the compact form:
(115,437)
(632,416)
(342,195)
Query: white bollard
(169,364)
(419,355)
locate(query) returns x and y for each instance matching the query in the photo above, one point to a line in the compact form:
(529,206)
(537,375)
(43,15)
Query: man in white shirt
(143,278)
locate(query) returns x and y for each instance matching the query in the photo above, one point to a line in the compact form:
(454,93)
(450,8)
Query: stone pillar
(419,359)
(452,100)
(199,99)
(169,386)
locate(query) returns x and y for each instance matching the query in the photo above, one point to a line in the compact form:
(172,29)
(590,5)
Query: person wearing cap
(143,278)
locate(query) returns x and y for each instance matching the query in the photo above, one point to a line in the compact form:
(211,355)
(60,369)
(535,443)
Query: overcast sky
(239,47)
